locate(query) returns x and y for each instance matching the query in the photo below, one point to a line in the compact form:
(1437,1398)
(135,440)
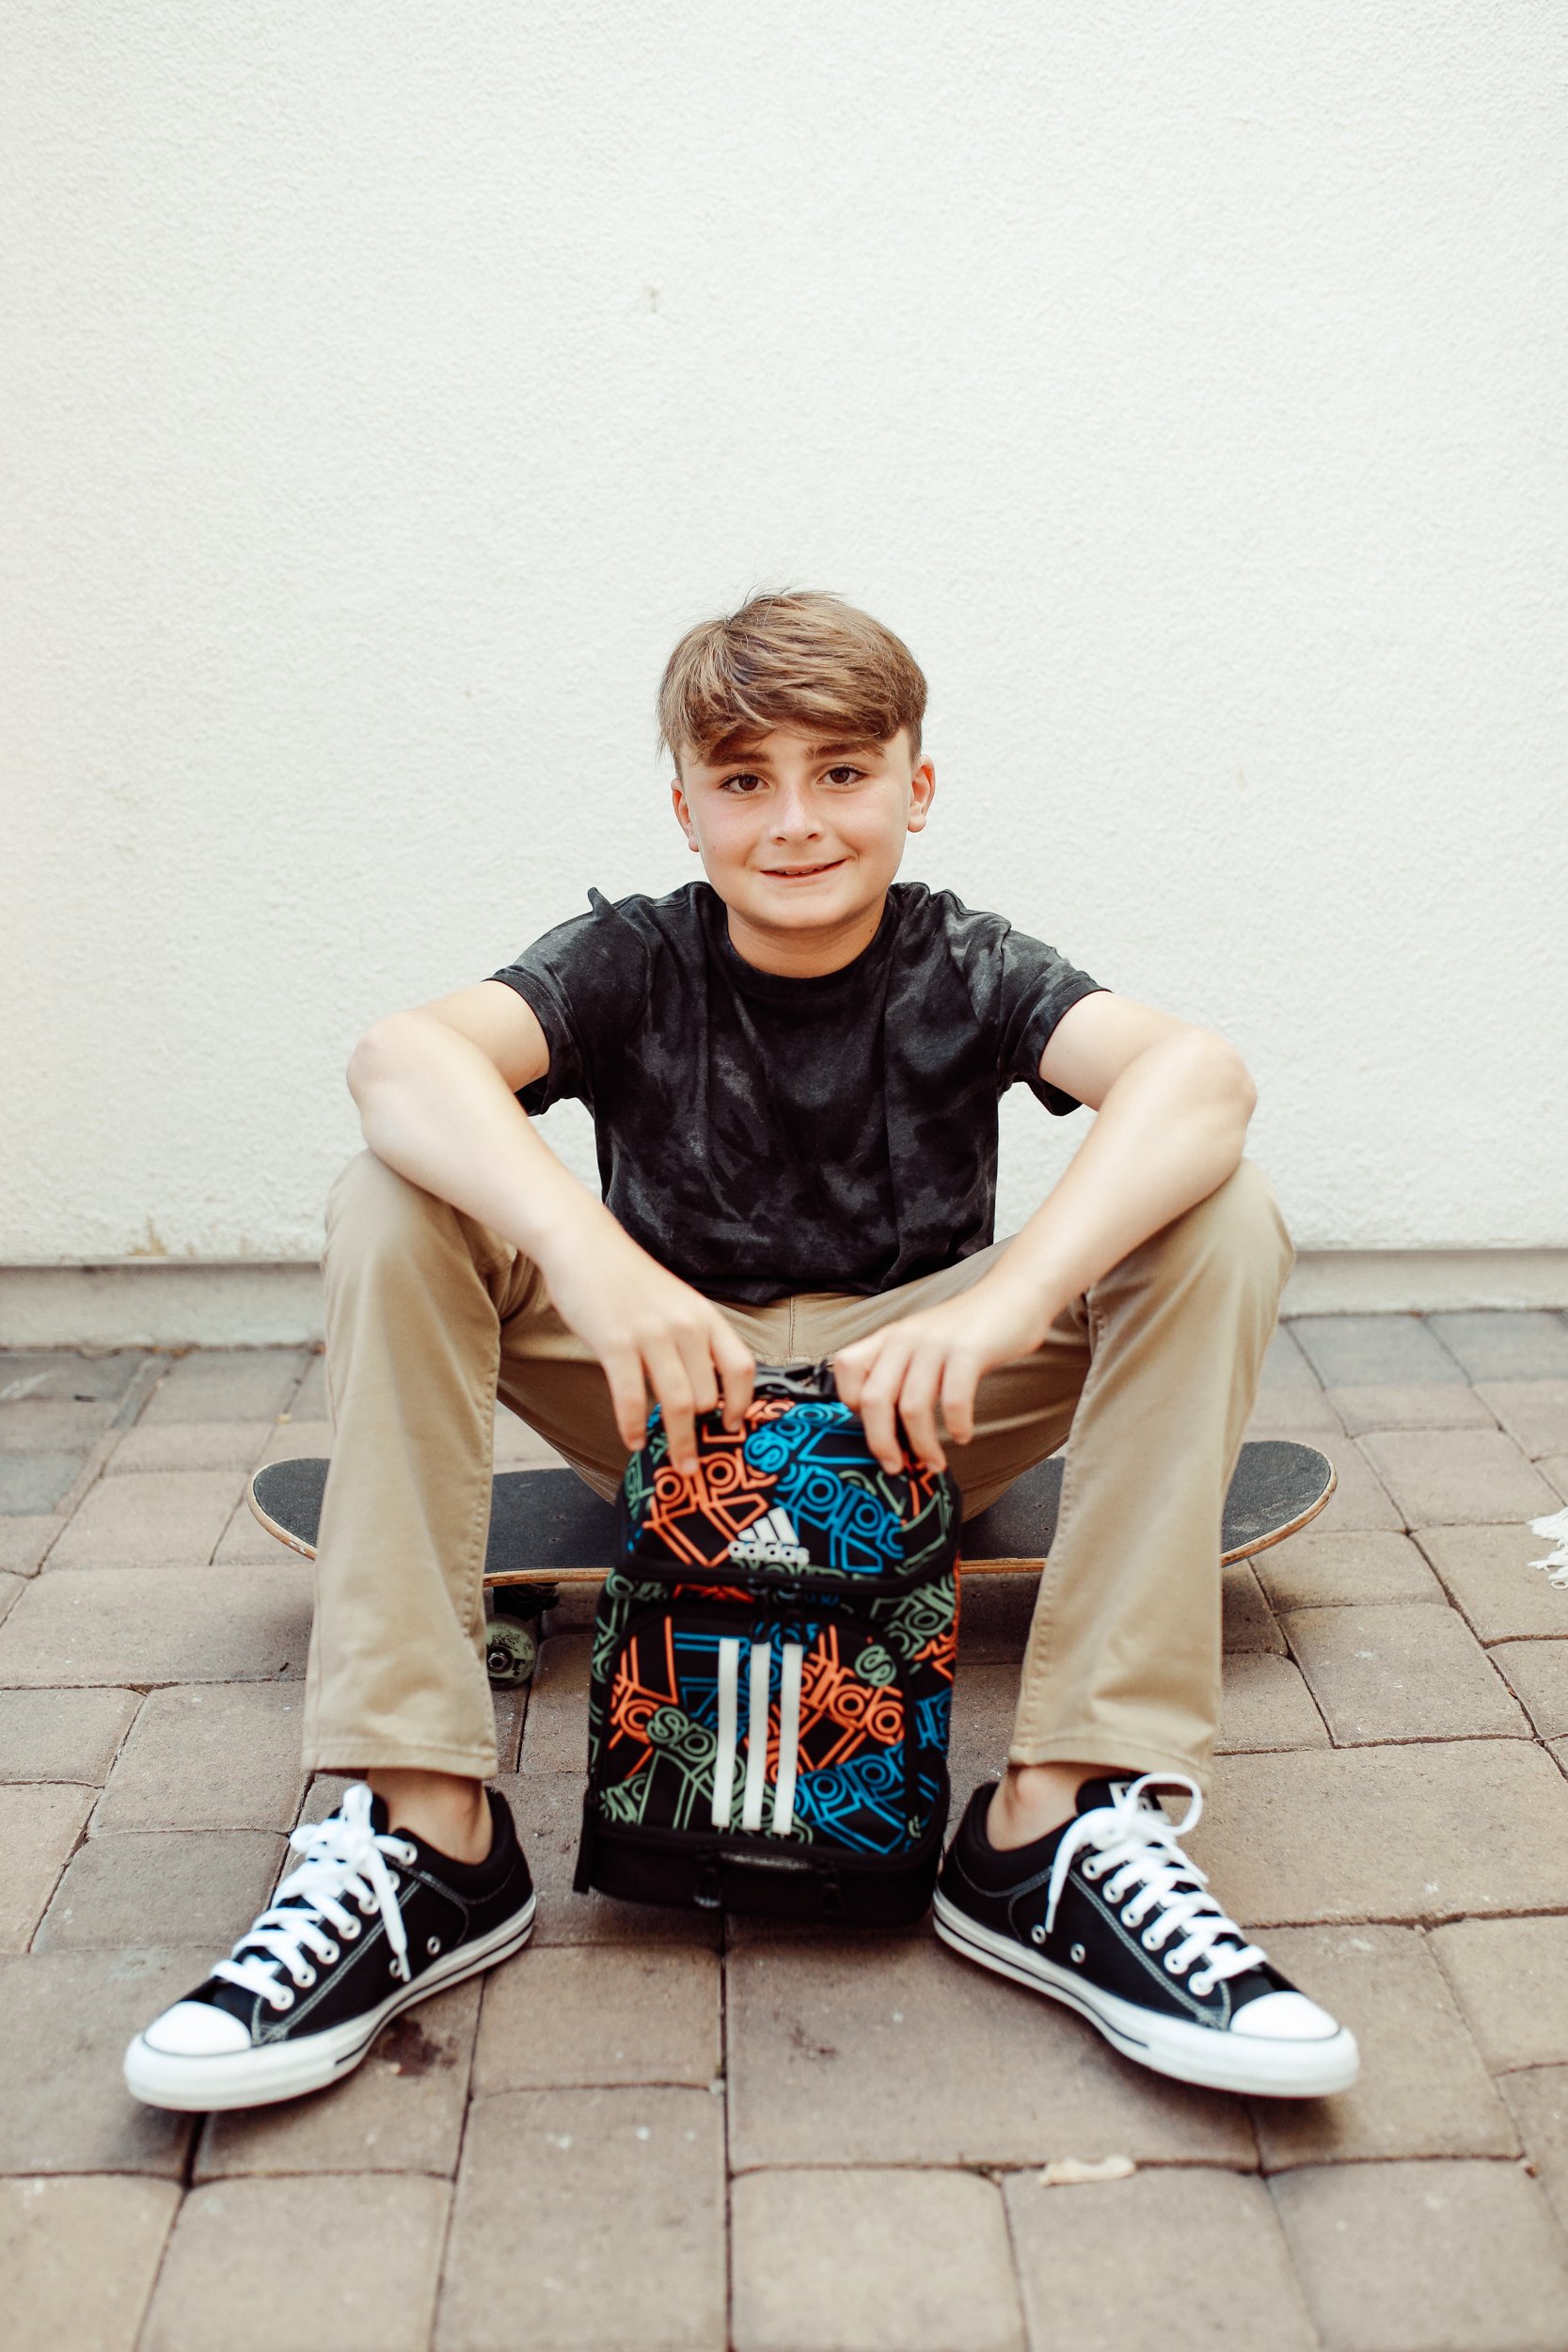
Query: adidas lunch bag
(772,1670)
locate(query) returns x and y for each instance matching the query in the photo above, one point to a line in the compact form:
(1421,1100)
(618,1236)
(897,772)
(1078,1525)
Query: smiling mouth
(802,873)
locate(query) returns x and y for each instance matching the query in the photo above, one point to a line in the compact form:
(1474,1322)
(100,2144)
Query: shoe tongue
(379,1821)
(379,1824)
(1096,1793)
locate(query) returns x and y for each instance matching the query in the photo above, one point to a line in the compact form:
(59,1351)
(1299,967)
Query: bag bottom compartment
(693,1870)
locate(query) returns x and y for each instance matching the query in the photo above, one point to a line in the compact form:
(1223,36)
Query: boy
(794,1069)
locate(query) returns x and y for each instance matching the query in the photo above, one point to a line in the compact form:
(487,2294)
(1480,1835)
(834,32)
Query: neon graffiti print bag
(772,1670)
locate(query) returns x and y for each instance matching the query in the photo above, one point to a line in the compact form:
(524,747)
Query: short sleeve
(1038,986)
(580,979)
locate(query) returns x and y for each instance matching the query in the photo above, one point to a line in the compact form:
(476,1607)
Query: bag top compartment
(794,1498)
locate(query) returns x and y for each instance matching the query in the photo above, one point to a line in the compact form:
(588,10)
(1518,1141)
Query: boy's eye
(744,783)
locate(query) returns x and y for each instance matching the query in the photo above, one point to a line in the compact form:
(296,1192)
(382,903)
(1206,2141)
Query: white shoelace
(344,1858)
(1136,1844)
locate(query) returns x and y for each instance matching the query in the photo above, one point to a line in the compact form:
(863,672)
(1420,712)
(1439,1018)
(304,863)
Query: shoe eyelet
(281,2000)
(1150,1939)
(433,1944)
(1079,1955)
(1094,1868)
(393,1880)
(349,1930)
(1037,1935)
(1174,1966)
(1203,1986)
(328,1953)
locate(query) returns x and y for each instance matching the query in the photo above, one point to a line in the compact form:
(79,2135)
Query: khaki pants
(1149,1376)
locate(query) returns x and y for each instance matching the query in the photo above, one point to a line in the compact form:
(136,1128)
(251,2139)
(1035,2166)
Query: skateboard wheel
(511,1652)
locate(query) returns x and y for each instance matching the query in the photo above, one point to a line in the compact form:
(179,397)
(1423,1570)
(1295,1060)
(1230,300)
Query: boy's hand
(907,1369)
(650,1330)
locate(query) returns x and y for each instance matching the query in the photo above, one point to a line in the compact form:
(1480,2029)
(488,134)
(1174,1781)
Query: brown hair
(803,658)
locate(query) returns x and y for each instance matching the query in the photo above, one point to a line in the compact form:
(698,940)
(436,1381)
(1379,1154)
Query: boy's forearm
(1168,1133)
(436,1108)
(433,1107)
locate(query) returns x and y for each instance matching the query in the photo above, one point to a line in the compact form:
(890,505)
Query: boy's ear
(683,813)
(923,784)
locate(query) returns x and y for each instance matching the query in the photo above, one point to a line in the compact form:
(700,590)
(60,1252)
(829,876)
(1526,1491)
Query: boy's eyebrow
(813,750)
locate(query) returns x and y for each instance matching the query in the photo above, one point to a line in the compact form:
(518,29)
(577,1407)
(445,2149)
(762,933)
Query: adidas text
(771,1542)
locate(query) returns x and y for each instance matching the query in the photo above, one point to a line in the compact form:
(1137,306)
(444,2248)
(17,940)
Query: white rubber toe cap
(196,2030)
(1284,2017)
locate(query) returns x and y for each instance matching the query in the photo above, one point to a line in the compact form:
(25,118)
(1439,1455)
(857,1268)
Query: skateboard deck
(546,1528)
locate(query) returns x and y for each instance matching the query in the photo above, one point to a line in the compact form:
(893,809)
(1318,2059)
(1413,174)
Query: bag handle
(809,1384)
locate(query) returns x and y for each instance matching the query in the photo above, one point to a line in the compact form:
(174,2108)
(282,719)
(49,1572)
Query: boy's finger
(697,1356)
(737,1368)
(881,1435)
(850,1367)
(877,1402)
(670,1385)
(917,1411)
(628,1398)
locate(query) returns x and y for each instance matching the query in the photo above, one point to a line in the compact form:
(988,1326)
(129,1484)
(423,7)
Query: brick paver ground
(648,2131)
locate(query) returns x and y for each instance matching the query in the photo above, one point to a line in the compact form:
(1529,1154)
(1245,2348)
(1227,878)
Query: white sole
(1191,2053)
(285,2070)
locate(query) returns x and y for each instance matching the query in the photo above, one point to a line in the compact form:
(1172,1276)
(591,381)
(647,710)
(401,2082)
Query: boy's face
(800,837)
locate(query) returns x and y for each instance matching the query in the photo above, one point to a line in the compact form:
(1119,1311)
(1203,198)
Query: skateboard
(547,1529)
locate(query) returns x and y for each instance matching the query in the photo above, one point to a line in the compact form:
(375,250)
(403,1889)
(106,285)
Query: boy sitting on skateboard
(794,1070)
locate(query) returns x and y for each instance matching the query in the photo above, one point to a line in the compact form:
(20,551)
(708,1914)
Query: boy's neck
(799,955)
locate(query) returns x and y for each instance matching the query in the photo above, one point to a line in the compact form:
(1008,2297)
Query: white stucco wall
(386,387)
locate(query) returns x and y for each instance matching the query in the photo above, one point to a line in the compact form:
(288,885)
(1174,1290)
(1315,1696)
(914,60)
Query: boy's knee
(1238,1224)
(370,1204)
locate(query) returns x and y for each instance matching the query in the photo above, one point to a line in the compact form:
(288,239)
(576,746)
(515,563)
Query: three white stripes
(727,1760)
(724,1763)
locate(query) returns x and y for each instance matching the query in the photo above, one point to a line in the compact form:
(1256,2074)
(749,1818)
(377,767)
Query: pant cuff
(1121,1756)
(381,1755)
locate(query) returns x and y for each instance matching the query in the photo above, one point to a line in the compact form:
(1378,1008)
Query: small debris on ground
(1072,2172)
(1556,1562)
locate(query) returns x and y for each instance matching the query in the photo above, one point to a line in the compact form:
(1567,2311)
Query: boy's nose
(794,816)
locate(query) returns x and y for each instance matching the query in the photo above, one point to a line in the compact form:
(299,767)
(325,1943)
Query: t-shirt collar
(785,986)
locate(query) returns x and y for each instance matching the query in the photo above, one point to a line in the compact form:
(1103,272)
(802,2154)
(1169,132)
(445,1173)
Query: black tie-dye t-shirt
(760,1136)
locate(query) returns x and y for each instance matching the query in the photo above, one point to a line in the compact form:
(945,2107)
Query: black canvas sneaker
(371,1921)
(1108,1915)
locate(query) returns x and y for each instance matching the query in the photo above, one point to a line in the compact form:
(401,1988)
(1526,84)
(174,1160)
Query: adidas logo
(770,1543)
